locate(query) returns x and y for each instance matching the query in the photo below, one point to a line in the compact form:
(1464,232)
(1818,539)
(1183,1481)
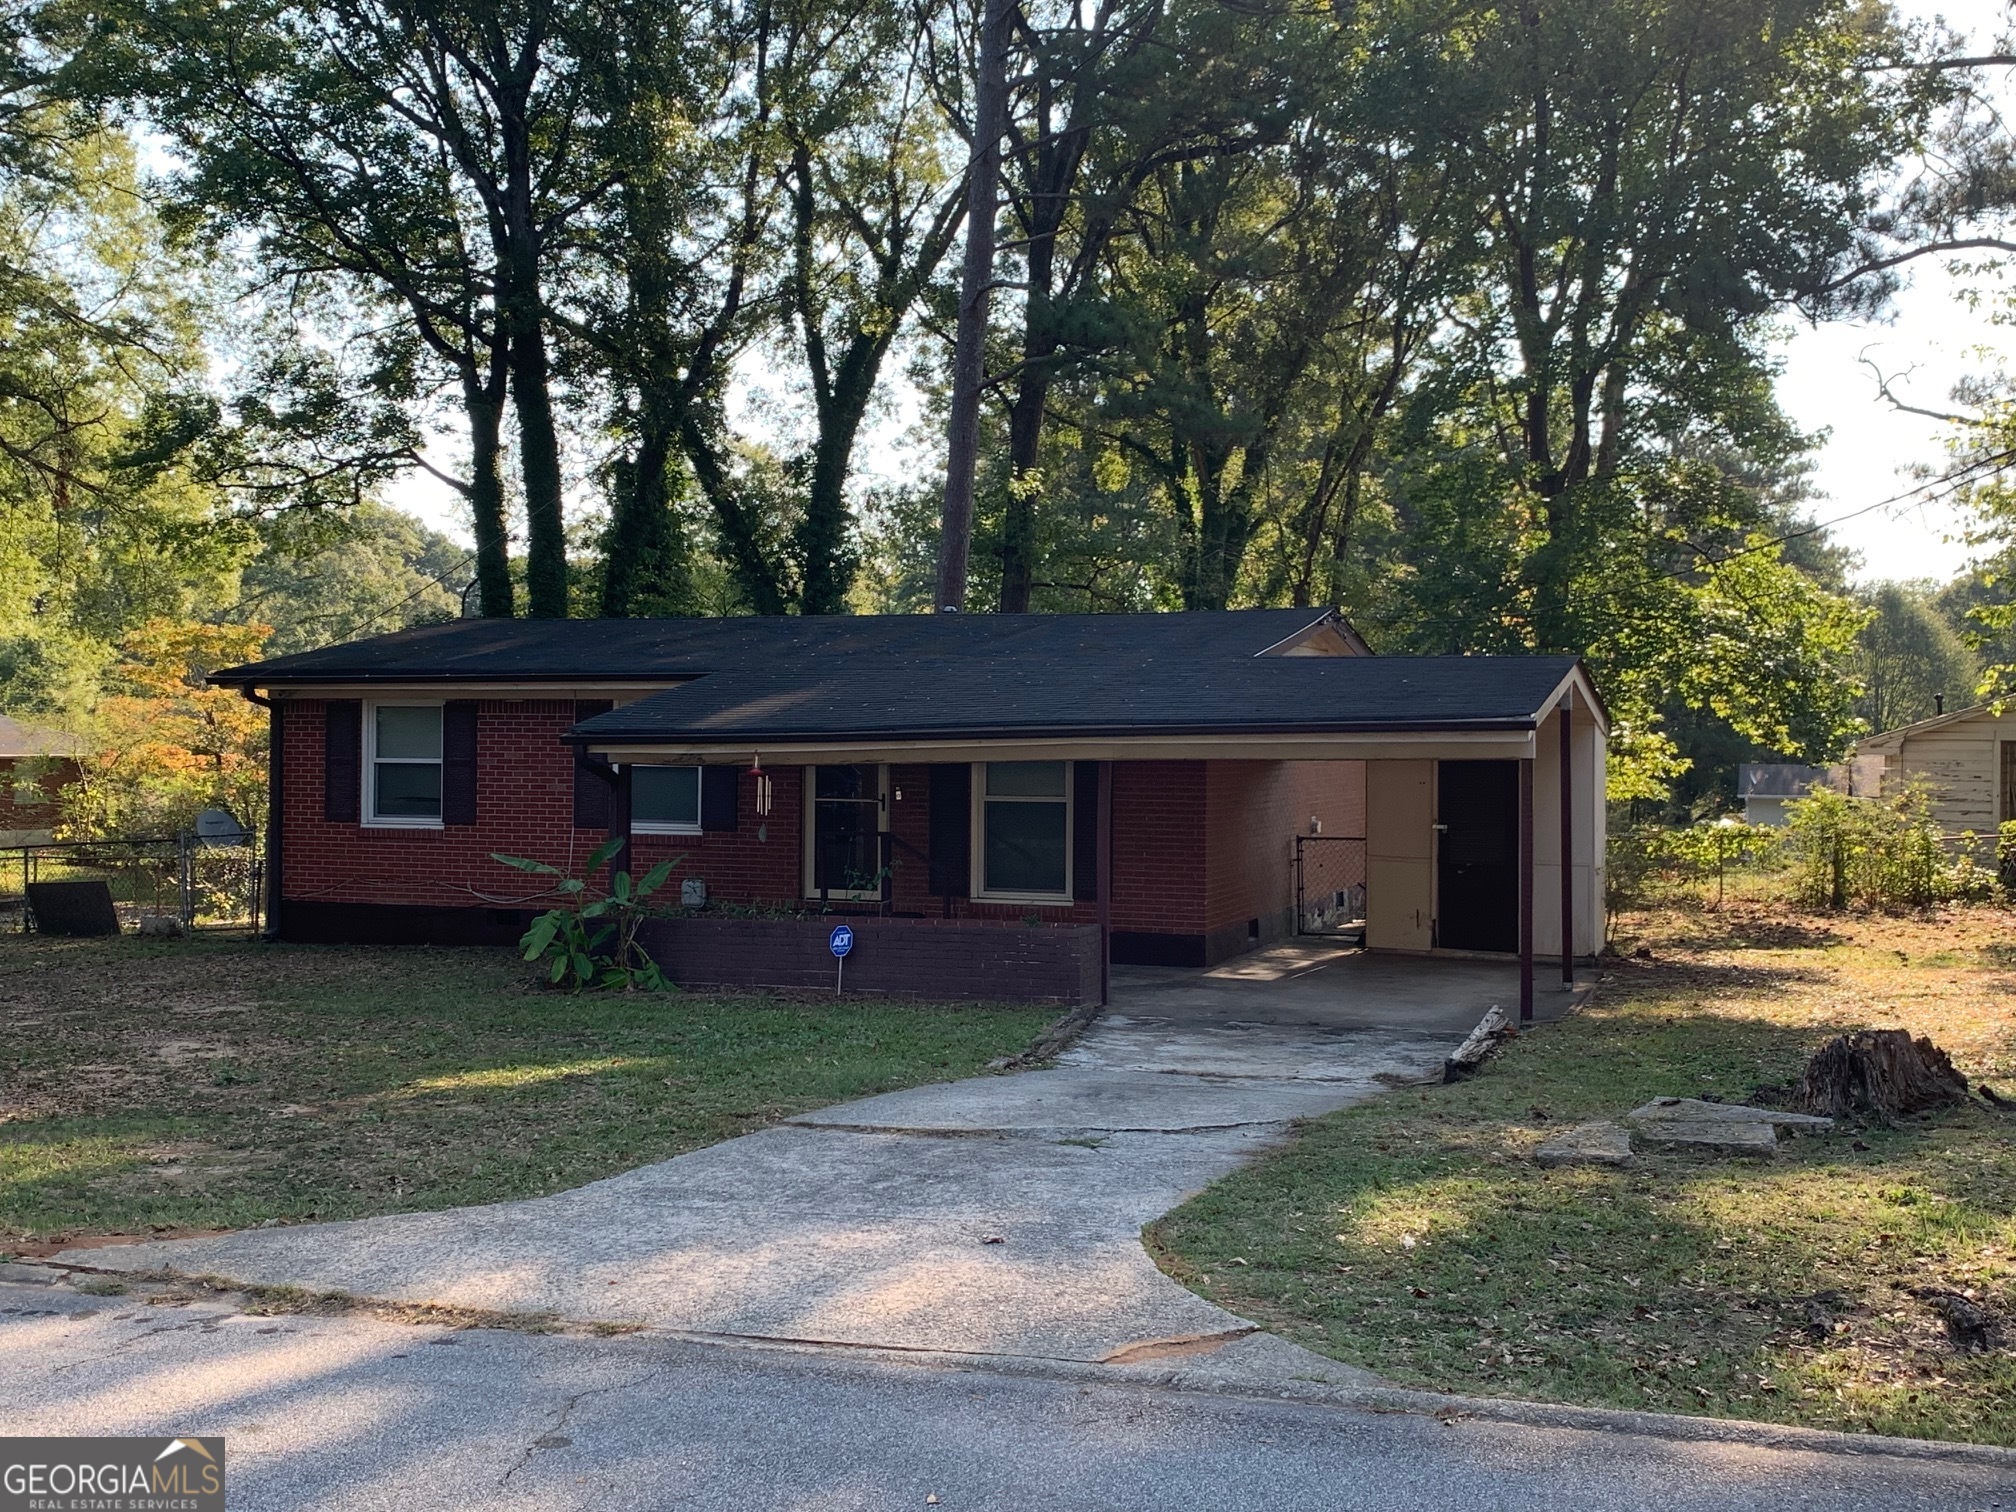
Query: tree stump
(1884,1072)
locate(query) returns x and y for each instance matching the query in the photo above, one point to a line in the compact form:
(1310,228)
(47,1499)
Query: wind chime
(762,795)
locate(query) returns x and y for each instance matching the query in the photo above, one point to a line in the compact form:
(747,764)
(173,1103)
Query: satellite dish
(218,827)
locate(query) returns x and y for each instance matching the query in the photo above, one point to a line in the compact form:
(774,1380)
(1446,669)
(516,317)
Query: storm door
(843,831)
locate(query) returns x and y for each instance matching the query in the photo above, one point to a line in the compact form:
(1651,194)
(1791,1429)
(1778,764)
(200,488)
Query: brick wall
(30,789)
(925,958)
(756,862)
(524,807)
(1199,848)
(1253,811)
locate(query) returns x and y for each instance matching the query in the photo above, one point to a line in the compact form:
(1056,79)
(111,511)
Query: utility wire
(369,620)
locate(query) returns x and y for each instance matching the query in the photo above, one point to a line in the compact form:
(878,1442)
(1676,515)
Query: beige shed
(1968,757)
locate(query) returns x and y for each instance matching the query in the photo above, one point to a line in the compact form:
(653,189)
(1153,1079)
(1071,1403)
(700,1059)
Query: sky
(1925,343)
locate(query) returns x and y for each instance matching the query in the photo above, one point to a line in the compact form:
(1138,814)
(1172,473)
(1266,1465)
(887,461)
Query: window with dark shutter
(951,828)
(342,759)
(1085,830)
(718,798)
(594,778)
(458,761)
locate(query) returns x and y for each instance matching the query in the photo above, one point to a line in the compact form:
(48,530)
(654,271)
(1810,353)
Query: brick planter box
(920,958)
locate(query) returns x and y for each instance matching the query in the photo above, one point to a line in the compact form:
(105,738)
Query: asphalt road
(346,1412)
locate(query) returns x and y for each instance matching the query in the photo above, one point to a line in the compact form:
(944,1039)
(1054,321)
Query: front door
(843,831)
(1477,857)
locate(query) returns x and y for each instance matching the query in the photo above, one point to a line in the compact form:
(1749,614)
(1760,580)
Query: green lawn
(1416,1236)
(221,1083)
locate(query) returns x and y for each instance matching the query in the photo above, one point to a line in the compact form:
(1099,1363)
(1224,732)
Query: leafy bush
(1700,858)
(594,942)
(1881,852)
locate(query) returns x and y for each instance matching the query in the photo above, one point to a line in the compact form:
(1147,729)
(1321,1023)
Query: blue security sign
(841,941)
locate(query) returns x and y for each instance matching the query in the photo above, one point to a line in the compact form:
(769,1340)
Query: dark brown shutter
(951,828)
(619,819)
(1085,830)
(342,759)
(593,776)
(718,798)
(458,761)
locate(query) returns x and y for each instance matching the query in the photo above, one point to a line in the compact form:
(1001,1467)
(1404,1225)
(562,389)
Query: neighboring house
(1137,781)
(1967,757)
(36,764)
(1766,787)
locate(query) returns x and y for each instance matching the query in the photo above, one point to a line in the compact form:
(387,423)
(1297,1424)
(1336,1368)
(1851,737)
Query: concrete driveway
(999,1215)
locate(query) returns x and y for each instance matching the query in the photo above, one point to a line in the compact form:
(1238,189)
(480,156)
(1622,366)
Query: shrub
(1879,852)
(594,942)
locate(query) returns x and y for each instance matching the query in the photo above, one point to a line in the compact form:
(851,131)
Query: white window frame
(368,799)
(668,827)
(809,851)
(977,842)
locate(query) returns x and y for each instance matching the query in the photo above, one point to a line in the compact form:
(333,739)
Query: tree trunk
(646,569)
(969,354)
(484,405)
(1880,1072)
(822,537)
(539,468)
(1025,441)
(1032,393)
(754,574)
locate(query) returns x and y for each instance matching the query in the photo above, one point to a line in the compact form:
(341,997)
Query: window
(1023,830)
(665,800)
(402,764)
(843,832)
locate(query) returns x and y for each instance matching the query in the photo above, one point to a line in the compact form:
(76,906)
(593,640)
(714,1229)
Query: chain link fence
(1329,884)
(203,884)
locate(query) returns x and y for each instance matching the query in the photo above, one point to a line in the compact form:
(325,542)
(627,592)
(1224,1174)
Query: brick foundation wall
(918,958)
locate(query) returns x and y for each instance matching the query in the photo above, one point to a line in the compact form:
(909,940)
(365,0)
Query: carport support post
(1526,890)
(1567,847)
(1105,881)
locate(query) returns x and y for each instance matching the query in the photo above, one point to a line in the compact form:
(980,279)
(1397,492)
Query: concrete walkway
(998,1216)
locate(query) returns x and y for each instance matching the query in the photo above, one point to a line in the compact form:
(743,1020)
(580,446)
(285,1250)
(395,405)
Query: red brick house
(1009,800)
(36,764)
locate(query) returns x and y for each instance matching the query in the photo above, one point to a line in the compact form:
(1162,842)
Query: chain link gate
(202,882)
(1330,884)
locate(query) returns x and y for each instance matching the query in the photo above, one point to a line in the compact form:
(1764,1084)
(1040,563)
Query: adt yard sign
(839,942)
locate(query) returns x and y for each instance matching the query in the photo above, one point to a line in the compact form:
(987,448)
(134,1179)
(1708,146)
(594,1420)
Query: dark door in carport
(1477,860)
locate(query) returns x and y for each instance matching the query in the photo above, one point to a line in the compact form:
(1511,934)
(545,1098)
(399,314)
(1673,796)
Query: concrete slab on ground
(1314,983)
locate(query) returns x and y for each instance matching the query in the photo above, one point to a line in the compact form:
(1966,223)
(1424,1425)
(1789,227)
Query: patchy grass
(211,1084)
(1416,1236)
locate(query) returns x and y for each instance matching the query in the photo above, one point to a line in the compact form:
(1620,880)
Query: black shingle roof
(1002,697)
(750,680)
(518,650)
